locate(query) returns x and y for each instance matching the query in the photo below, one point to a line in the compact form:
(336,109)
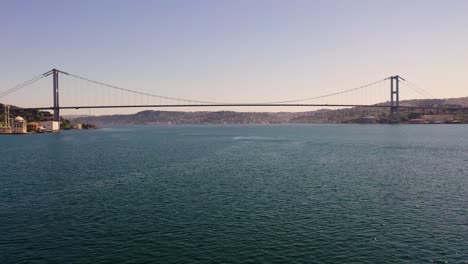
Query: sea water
(236,194)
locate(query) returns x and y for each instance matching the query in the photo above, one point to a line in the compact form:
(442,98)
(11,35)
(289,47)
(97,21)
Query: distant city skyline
(237,50)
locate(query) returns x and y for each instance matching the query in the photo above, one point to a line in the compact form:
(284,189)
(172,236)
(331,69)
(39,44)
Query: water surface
(236,194)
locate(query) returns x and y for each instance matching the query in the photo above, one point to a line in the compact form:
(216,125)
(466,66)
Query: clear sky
(239,51)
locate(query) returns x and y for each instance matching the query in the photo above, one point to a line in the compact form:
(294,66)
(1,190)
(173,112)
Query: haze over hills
(348,115)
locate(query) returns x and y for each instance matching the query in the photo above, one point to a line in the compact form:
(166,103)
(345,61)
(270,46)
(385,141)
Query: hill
(348,115)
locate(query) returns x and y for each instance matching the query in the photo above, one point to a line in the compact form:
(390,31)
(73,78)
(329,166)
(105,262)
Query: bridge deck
(242,105)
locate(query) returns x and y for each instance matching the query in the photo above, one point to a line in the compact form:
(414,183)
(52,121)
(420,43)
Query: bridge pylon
(55,77)
(395,97)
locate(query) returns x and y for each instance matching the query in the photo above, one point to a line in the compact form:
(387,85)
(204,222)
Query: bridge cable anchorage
(24,84)
(327,95)
(418,89)
(142,93)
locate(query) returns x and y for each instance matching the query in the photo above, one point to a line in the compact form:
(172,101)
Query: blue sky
(239,50)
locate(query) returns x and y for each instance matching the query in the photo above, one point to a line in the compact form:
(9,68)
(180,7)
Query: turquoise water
(236,194)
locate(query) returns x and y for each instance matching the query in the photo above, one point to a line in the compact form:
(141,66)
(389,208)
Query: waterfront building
(5,130)
(33,127)
(367,120)
(438,119)
(77,126)
(417,121)
(19,126)
(50,125)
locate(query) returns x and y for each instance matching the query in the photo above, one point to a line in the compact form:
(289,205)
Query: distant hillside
(174,117)
(458,101)
(462,101)
(348,115)
(74,116)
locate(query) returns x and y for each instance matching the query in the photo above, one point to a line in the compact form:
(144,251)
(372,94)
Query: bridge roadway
(245,105)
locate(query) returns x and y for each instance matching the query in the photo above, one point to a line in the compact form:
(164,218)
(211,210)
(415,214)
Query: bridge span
(245,105)
(357,97)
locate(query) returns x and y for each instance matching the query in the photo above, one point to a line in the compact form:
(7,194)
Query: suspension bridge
(71,91)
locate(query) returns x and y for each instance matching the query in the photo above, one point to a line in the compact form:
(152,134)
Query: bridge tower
(55,76)
(395,97)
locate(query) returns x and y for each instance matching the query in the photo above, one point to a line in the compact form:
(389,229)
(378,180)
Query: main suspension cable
(142,93)
(22,85)
(328,95)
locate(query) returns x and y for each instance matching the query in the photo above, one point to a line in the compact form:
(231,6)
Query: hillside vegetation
(29,115)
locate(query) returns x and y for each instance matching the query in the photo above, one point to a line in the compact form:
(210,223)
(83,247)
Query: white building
(19,126)
(77,126)
(50,125)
